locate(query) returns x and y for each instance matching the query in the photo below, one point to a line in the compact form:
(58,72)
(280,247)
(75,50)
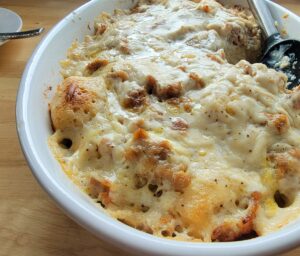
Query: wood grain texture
(30,222)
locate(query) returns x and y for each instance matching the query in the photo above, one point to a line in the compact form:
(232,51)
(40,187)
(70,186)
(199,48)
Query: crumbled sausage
(152,151)
(164,92)
(135,99)
(119,75)
(159,150)
(96,64)
(151,84)
(180,181)
(170,91)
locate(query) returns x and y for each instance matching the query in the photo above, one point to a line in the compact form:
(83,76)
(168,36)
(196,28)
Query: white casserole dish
(34,128)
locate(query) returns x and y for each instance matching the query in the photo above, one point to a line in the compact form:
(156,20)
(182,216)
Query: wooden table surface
(30,222)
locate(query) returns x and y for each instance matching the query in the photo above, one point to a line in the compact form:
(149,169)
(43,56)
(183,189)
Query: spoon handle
(263,15)
(23,34)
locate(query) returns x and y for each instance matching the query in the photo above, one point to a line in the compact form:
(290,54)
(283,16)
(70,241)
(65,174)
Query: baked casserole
(162,119)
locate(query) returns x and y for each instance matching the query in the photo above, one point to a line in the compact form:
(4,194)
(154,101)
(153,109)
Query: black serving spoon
(279,54)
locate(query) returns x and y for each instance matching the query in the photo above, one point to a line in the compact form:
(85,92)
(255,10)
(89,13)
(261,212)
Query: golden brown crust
(73,104)
(232,231)
(279,121)
(100,189)
(285,162)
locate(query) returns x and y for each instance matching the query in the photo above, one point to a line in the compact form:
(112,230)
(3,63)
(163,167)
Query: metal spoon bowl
(280,54)
(285,56)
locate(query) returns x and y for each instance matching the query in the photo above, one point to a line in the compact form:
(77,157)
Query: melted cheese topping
(161,123)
